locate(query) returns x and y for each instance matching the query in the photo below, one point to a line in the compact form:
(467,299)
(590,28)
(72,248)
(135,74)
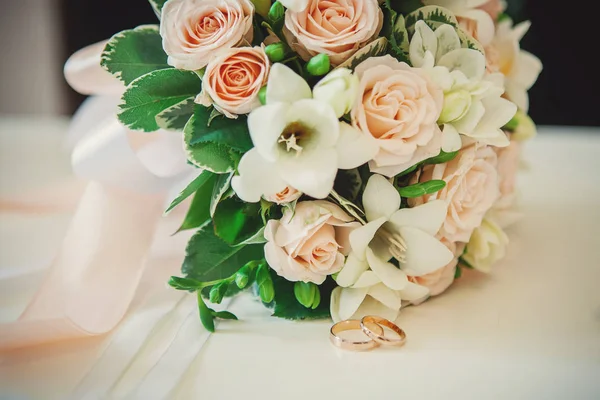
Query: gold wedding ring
(353,324)
(370,320)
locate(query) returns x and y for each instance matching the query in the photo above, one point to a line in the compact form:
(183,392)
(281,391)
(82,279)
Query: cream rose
(472,187)
(287,195)
(487,246)
(194,31)
(508,165)
(337,28)
(233,79)
(440,280)
(399,107)
(310,243)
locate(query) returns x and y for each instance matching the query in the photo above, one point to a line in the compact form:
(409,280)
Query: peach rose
(310,243)
(194,31)
(399,107)
(287,195)
(233,79)
(440,280)
(337,28)
(471,190)
(508,165)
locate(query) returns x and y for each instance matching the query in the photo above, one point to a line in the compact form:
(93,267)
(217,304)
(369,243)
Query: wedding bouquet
(353,156)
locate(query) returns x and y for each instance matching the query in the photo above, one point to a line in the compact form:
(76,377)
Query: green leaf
(149,95)
(395,30)
(222,184)
(217,292)
(190,189)
(206,314)
(184,283)
(266,289)
(441,158)
(433,15)
(133,53)
(218,147)
(257,238)
(348,183)
(405,6)
(224,315)
(421,189)
(376,48)
(458,272)
(236,221)
(208,128)
(209,258)
(175,117)
(199,212)
(468,41)
(157,5)
(286,306)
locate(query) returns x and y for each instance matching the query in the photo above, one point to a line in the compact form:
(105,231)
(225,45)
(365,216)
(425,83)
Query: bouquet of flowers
(353,156)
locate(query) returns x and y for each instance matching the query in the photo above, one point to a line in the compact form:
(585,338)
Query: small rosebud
(318,65)
(276,51)
(276,12)
(262,95)
(307,294)
(339,89)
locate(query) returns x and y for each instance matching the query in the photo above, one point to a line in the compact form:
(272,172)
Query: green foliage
(209,258)
(217,292)
(405,6)
(222,185)
(224,315)
(376,48)
(206,314)
(441,158)
(149,95)
(157,5)
(307,294)
(318,65)
(287,306)
(199,212)
(176,117)
(421,189)
(133,53)
(184,283)
(433,15)
(348,183)
(236,221)
(266,289)
(395,31)
(190,189)
(219,146)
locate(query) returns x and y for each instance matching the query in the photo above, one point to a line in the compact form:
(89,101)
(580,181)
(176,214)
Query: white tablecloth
(530,330)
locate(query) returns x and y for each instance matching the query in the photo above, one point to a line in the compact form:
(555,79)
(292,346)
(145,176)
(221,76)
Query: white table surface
(530,330)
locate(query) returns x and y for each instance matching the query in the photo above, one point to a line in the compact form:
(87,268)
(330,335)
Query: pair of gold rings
(372,327)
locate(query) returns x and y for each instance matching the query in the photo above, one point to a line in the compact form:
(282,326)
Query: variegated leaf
(434,15)
(175,117)
(373,49)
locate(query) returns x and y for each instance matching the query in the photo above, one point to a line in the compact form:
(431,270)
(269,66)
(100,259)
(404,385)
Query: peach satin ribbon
(93,279)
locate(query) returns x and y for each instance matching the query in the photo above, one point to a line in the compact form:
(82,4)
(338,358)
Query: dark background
(564,35)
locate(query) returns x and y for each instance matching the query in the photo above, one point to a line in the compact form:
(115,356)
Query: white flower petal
(468,61)
(370,306)
(320,119)
(380,198)
(312,173)
(354,148)
(518,95)
(519,30)
(450,139)
(392,277)
(257,177)
(423,40)
(424,253)
(413,292)
(295,5)
(427,217)
(447,40)
(349,301)
(498,111)
(266,124)
(367,279)
(361,237)
(284,85)
(468,123)
(352,271)
(527,70)
(386,296)
(334,304)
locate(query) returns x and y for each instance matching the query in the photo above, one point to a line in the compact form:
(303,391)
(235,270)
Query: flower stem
(350,207)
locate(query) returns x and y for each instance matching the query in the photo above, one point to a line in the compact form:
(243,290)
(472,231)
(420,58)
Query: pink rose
(287,195)
(471,190)
(194,31)
(440,280)
(310,243)
(337,28)
(233,79)
(508,165)
(399,107)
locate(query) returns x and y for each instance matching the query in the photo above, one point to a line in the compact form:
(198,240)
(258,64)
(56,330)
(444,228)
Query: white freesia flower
(487,245)
(339,88)
(408,235)
(473,105)
(295,5)
(298,142)
(520,67)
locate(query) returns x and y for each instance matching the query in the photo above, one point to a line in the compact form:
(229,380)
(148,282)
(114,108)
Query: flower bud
(242,277)
(276,12)
(266,289)
(524,127)
(262,7)
(318,65)
(307,294)
(217,293)
(276,51)
(456,105)
(339,89)
(262,95)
